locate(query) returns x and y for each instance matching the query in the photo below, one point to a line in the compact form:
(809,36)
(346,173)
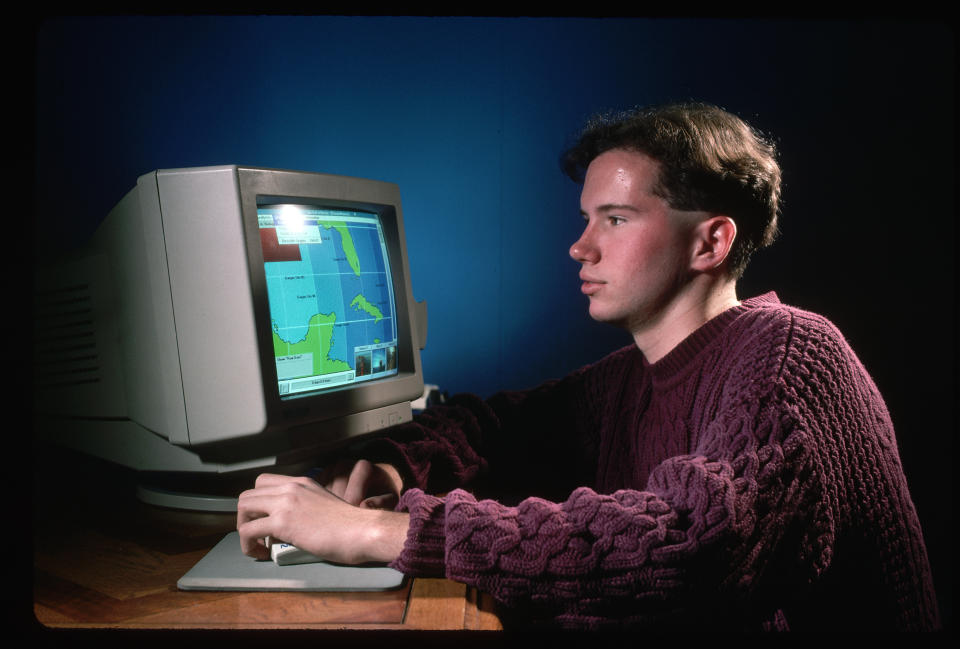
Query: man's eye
(616,220)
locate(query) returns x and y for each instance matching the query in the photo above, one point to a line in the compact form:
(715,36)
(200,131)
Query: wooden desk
(103,559)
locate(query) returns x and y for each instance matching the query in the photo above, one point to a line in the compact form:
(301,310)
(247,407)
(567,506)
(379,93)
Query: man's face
(635,250)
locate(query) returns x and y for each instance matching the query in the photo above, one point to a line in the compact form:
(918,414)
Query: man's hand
(364,484)
(302,512)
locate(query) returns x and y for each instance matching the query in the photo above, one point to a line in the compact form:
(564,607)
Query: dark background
(468,116)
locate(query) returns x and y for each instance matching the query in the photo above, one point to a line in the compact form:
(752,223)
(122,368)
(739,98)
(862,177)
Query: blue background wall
(468,116)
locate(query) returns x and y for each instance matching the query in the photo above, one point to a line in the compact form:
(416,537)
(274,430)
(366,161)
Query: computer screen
(230,320)
(312,260)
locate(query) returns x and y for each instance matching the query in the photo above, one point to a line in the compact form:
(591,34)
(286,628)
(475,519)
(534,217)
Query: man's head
(708,160)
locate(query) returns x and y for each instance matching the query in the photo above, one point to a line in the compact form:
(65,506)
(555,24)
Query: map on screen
(330,294)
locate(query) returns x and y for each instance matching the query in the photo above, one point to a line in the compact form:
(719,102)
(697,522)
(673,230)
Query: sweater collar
(681,356)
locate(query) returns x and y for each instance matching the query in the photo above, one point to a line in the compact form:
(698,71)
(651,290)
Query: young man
(734,469)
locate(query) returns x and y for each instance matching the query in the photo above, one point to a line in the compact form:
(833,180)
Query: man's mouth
(590,285)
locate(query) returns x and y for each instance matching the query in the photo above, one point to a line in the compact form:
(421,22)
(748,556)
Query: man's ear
(712,242)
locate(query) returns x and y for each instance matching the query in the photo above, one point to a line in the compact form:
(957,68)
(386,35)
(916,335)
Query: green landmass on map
(360,302)
(347,241)
(317,341)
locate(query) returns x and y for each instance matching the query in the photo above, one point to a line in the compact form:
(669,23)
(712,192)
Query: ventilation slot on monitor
(64,341)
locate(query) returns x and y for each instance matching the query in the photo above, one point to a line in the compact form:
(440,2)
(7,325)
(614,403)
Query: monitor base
(206,492)
(182,500)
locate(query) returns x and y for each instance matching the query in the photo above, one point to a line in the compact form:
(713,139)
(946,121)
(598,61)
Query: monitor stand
(206,492)
(181,500)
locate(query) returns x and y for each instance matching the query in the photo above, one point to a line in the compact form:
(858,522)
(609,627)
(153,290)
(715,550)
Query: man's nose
(583,249)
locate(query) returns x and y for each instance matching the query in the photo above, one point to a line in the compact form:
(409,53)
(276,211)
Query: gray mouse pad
(225,567)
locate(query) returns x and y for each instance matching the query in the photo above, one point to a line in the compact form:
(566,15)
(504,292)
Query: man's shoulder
(794,335)
(767,312)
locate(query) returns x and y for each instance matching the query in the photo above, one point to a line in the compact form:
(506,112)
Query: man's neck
(697,304)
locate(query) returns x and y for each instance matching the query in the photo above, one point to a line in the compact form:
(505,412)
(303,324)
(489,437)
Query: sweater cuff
(423,552)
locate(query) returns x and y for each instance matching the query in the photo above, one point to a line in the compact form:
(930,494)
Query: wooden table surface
(103,559)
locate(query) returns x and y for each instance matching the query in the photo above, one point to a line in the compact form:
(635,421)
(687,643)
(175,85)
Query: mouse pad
(225,567)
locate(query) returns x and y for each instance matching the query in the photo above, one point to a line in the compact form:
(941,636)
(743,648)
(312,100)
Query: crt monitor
(223,321)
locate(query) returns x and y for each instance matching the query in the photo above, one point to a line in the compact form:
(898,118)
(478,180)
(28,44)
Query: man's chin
(613,319)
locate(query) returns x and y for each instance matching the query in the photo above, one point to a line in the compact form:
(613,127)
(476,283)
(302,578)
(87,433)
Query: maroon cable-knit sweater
(749,479)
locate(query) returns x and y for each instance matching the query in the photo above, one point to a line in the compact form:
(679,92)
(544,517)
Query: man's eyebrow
(615,207)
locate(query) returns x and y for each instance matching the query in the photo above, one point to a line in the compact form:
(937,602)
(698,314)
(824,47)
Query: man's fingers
(267,480)
(335,478)
(252,535)
(383,501)
(358,483)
